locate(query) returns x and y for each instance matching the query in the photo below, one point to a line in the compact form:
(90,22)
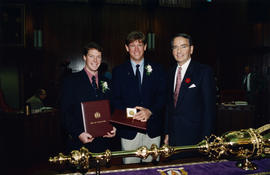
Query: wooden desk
(31,138)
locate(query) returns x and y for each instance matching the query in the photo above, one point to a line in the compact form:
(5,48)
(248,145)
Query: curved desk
(30,138)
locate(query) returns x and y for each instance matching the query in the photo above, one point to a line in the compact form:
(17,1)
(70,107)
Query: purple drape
(212,168)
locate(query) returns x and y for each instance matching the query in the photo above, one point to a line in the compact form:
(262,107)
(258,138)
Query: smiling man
(139,83)
(190,110)
(81,87)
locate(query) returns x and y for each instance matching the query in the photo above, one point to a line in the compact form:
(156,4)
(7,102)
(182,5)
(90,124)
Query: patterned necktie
(94,84)
(177,86)
(138,76)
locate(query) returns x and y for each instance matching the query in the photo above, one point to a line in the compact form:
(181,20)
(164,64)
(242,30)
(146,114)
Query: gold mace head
(241,144)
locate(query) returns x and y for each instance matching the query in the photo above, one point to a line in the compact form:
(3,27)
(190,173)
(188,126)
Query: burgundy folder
(96,116)
(120,117)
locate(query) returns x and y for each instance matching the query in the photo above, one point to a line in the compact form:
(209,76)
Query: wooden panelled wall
(225,37)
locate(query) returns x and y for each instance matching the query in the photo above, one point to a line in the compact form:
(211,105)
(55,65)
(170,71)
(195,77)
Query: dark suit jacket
(253,83)
(258,86)
(76,89)
(192,118)
(125,93)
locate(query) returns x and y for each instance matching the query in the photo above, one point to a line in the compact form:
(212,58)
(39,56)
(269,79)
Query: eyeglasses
(184,46)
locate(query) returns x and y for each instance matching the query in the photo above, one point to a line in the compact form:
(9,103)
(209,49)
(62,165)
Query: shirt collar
(90,75)
(185,65)
(133,64)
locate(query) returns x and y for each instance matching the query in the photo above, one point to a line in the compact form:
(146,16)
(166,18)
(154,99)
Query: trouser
(140,140)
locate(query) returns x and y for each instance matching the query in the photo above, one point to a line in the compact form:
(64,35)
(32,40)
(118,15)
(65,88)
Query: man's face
(136,50)
(92,60)
(43,94)
(247,70)
(181,50)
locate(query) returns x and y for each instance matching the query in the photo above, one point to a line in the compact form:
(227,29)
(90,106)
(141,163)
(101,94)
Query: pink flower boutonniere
(187,80)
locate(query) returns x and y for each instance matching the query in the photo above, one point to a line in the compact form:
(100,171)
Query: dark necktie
(177,86)
(138,76)
(94,84)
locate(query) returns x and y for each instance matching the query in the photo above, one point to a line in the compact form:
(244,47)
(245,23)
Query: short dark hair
(40,91)
(135,35)
(184,35)
(91,45)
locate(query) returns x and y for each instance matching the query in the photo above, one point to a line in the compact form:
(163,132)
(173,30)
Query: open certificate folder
(96,116)
(120,117)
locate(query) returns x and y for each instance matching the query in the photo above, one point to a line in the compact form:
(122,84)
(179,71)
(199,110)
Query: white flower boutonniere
(149,69)
(104,86)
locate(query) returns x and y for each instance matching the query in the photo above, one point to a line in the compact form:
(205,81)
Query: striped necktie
(177,86)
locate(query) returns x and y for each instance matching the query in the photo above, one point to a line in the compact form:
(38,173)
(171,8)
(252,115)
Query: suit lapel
(130,72)
(171,85)
(88,82)
(172,80)
(100,81)
(86,86)
(147,82)
(131,80)
(146,78)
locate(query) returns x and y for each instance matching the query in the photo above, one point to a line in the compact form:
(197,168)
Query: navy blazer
(76,89)
(125,93)
(193,117)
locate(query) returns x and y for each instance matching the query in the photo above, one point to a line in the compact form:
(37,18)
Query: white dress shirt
(183,72)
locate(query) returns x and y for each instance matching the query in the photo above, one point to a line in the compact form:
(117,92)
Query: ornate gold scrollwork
(242,144)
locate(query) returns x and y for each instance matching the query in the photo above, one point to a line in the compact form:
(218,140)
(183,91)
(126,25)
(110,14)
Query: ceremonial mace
(243,145)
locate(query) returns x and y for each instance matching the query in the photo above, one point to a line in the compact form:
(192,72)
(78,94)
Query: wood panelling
(223,34)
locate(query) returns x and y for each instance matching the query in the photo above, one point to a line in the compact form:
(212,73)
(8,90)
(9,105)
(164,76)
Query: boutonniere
(187,80)
(104,86)
(148,69)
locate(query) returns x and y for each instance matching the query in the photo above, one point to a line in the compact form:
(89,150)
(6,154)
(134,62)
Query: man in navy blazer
(86,85)
(190,115)
(147,95)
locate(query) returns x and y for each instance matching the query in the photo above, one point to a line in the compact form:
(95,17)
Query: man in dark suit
(190,110)
(86,85)
(254,85)
(251,85)
(146,92)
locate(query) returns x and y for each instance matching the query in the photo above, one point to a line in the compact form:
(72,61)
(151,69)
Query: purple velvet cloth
(215,168)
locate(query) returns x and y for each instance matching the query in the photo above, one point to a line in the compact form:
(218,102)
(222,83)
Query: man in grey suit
(190,110)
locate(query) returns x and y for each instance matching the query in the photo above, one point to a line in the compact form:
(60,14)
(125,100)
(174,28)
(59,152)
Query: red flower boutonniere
(187,80)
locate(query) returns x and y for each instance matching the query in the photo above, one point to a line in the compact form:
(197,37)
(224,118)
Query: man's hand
(111,133)
(143,115)
(86,137)
(166,139)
